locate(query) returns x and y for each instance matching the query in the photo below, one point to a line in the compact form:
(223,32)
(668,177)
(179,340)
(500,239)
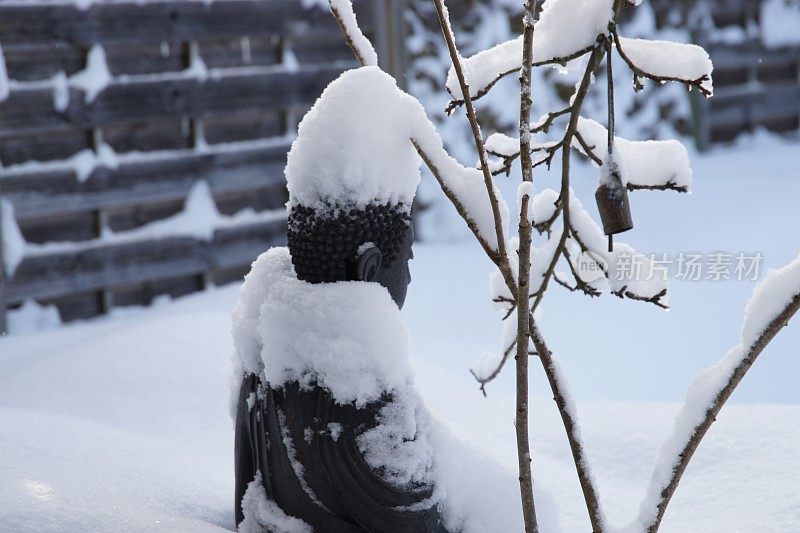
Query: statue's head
(370,244)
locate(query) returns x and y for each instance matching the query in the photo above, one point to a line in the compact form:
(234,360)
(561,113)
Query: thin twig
(545,125)
(588,150)
(713,409)
(508,159)
(569,419)
(668,186)
(523,296)
(655,299)
(563,283)
(444,23)
(566,145)
(347,37)
(622,292)
(491,252)
(546,225)
(496,372)
(580,285)
(456,102)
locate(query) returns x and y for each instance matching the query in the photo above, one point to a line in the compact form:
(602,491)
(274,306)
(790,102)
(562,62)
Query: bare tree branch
(669,186)
(362,48)
(570,421)
(566,145)
(456,102)
(349,39)
(491,252)
(588,150)
(713,409)
(524,256)
(622,292)
(563,282)
(508,158)
(548,121)
(483,381)
(580,285)
(545,225)
(655,299)
(444,23)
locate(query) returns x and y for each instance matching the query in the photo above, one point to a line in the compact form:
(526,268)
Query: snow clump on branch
(586,19)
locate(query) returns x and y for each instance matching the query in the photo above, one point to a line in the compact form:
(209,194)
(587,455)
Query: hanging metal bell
(612,202)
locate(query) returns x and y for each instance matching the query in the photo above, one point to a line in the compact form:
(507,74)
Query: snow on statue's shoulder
(348,336)
(353,147)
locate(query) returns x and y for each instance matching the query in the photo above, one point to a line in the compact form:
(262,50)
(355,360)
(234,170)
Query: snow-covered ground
(122,423)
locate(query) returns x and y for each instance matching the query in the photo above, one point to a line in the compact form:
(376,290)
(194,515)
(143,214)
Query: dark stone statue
(338,490)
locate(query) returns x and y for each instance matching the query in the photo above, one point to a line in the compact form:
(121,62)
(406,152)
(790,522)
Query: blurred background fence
(755,47)
(143,144)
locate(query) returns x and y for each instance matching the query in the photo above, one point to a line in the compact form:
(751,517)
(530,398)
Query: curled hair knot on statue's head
(325,244)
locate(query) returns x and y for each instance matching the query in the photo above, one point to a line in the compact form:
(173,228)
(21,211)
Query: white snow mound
(352,147)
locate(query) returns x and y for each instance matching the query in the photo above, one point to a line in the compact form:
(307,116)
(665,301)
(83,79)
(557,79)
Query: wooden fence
(116,113)
(187,93)
(755,85)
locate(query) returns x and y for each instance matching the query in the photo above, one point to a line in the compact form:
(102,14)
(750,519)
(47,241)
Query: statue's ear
(369,263)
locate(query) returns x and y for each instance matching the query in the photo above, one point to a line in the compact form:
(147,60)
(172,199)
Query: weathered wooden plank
(734,12)
(777,95)
(147,181)
(147,135)
(750,53)
(744,109)
(266,198)
(100,267)
(27,63)
(144,293)
(151,111)
(779,72)
(93,268)
(229,275)
(236,126)
(233,247)
(59,227)
(31,110)
(79,306)
(128,218)
(56,145)
(162,21)
(145,58)
(240,51)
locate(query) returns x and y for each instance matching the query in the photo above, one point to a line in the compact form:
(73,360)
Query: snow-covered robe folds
(329,432)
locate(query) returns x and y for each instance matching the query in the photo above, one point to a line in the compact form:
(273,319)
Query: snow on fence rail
(143,144)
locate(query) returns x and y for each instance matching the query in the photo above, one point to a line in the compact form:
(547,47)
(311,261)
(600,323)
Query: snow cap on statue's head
(353,148)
